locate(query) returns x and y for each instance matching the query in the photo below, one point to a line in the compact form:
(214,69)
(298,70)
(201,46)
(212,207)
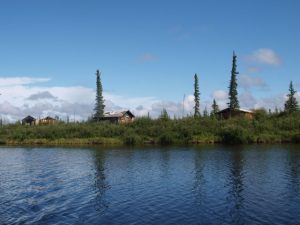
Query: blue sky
(151,49)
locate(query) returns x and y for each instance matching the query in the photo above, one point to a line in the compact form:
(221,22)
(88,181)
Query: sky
(147,52)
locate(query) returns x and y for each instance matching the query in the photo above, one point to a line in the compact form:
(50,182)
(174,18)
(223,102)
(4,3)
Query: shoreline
(115,142)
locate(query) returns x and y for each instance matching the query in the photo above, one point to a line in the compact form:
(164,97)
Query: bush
(166,139)
(130,138)
(235,135)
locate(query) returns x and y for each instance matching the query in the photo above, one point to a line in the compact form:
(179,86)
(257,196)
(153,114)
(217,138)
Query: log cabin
(118,117)
(228,113)
(47,120)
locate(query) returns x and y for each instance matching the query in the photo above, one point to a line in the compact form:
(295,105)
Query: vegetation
(196,96)
(215,108)
(291,105)
(233,94)
(99,106)
(264,128)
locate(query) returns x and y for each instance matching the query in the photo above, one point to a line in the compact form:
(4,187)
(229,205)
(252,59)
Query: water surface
(256,184)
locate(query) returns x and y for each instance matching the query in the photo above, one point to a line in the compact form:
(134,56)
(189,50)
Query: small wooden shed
(47,120)
(118,117)
(29,120)
(228,113)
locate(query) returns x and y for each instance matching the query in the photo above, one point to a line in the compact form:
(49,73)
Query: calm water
(205,185)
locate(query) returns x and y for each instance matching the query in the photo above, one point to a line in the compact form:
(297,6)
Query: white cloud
(220,95)
(12,81)
(265,56)
(248,82)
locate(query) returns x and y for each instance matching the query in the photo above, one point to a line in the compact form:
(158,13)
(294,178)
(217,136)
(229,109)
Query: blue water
(256,184)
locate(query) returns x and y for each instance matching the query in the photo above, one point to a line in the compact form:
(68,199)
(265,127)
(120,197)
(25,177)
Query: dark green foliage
(205,112)
(291,105)
(164,115)
(233,93)
(130,138)
(99,106)
(215,108)
(167,138)
(196,96)
(235,135)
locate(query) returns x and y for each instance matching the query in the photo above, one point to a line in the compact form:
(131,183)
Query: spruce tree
(215,108)
(205,112)
(164,115)
(233,94)
(196,96)
(291,104)
(99,106)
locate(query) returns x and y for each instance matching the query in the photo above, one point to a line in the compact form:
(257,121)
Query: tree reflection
(236,187)
(101,185)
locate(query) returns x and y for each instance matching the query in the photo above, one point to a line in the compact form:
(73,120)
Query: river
(255,184)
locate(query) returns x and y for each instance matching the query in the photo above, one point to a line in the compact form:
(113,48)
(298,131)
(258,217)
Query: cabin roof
(117,114)
(241,110)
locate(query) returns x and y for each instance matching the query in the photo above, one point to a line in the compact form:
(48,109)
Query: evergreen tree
(164,115)
(205,112)
(215,108)
(291,105)
(196,96)
(99,106)
(233,94)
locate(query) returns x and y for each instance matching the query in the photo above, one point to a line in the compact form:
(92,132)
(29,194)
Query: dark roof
(29,118)
(240,110)
(117,114)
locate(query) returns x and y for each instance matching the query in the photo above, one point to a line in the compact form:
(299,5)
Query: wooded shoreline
(263,128)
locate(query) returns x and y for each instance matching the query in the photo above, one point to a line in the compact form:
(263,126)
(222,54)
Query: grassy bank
(265,128)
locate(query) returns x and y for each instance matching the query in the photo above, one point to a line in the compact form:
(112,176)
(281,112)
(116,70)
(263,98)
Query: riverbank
(264,128)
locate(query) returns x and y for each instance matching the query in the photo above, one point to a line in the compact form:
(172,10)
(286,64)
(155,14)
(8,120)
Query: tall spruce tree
(99,106)
(215,108)
(291,104)
(233,94)
(196,96)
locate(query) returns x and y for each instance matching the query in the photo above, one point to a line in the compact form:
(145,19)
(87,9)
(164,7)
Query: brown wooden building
(228,113)
(119,117)
(47,120)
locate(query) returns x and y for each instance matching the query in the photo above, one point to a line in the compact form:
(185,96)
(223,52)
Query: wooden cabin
(29,120)
(118,117)
(47,121)
(228,113)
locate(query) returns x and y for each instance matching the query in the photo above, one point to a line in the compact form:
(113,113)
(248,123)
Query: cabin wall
(227,114)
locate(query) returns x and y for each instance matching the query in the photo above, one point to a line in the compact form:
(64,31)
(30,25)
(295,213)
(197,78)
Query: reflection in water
(236,190)
(101,184)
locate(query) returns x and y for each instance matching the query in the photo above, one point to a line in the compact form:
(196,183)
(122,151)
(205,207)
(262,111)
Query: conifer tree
(233,94)
(215,108)
(196,96)
(205,112)
(164,115)
(291,104)
(99,106)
